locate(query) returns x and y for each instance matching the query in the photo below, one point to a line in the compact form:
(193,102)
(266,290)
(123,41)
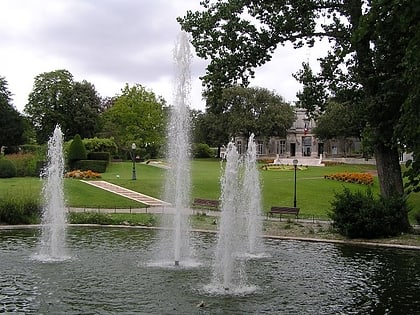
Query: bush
(101,156)
(77,151)
(7,168)
(101,145)
(19,210)
(361,215)
(93,165)
(202,150)
(90,218)
(26,164)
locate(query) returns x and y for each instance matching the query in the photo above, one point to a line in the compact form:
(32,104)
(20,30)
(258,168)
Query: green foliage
(137,116)
(202,150)
(100,145)
(89,218)
(102,156)
(338,121)
(12,125)
(18,209)
(26,164)
(359,214)
(97,166)
(57,99)
(112,218)
(7,168)
(255,110)
(76,151)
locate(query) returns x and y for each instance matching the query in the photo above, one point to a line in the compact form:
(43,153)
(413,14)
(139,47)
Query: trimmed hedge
(93,165)
(101,156)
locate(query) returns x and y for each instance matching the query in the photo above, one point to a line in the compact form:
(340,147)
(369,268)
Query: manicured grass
(314,193)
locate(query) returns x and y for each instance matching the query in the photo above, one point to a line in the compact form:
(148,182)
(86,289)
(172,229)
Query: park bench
(283,210)
(206,204)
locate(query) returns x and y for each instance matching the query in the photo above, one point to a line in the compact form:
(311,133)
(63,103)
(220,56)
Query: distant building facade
(300,142)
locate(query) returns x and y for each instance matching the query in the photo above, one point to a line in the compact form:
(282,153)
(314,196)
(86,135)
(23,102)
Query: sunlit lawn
(314,193)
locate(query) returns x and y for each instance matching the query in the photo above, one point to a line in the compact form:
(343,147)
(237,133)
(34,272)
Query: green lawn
(314,193)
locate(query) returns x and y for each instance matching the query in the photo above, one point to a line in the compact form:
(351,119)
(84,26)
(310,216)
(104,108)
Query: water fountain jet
(53,220)
(177,186)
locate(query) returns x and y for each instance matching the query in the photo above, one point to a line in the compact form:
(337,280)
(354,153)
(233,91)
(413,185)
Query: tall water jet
(54,221)
(177,188)
(228,271)
(251,199)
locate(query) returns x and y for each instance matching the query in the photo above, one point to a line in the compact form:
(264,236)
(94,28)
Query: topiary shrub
(77,151)
(360,215)
(7,168)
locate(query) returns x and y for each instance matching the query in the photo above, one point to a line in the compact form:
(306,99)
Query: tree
(84,113)
(255,110)
(339,121)
(12,125)
(57,99)
(137,116)
(368,64)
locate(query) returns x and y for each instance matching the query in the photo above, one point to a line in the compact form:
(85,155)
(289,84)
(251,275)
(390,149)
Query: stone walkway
(127,193)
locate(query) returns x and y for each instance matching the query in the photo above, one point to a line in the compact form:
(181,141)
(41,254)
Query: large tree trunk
(389,171)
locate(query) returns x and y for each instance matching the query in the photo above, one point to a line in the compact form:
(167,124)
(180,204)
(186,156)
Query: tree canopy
(12,125)
(57,99)
(137,116)
(256,110)
(374,44)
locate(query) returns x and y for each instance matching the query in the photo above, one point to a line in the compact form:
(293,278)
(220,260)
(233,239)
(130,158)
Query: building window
(280,148)
(239,146)
(259,148)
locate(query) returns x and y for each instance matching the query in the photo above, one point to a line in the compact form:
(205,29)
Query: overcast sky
(113,42)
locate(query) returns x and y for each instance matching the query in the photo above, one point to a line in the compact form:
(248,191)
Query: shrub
(26,164)
(19,210)
(93,165)
(359,214)
(202,150)
(100,145)
(90,218)
(77,151)
(101,156)
(7,168)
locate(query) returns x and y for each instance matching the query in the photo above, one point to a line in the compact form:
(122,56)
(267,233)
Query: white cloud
(110,43)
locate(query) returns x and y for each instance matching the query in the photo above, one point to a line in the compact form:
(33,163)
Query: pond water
(111,271)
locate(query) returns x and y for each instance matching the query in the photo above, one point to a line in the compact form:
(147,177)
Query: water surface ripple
(110,273)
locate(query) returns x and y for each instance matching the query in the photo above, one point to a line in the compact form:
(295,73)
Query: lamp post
(295,163)
(133,156)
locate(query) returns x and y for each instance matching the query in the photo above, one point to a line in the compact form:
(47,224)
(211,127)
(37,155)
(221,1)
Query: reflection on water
(111,273)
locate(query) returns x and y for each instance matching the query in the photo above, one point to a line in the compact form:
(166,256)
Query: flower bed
(357,178)
(82,174)
(282,167)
